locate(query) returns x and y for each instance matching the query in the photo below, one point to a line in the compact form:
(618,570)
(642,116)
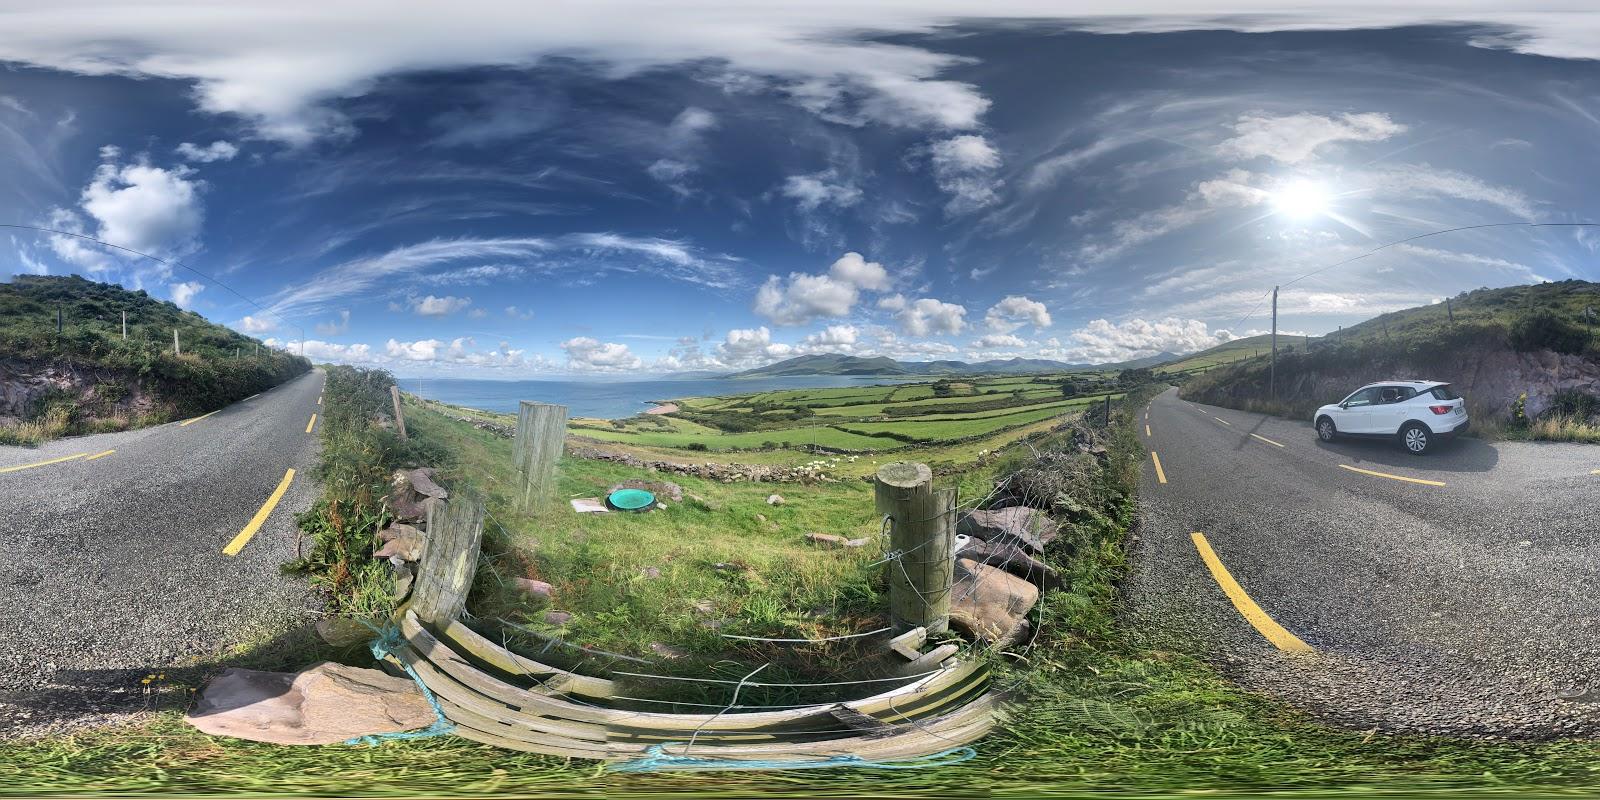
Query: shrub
(1544,330)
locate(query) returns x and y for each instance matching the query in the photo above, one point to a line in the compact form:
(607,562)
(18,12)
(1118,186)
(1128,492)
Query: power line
(165,262)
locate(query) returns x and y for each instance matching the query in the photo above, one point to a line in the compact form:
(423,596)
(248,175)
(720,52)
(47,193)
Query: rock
(990,604)
(856,542)
(1028,527)
(536,588)
(589,505)
(666,650)
(557,617)
(344,631)
(326,704)
(403,578)
(1012,559)
(774,499)
(422,482)
(404,541)
(650,573)
(761,518)
(827,540)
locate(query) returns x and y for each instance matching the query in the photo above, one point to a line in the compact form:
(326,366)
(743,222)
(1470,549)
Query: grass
(1095,713)
(142,382)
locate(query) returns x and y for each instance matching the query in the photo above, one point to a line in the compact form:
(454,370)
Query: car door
(1357,411)
(1392,410)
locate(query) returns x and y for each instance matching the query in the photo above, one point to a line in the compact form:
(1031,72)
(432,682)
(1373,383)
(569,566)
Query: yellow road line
(1268,441)
(312,423)
(1594,472)
(251,397)
(1221,420)
(100,455)
(319,399)
(1260,620)
(196,419)
(1147,430)
(256,521)
(1160,474)
(21,467)
(1391,477)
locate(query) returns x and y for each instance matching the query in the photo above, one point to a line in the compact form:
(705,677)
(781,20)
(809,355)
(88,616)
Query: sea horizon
(612,399)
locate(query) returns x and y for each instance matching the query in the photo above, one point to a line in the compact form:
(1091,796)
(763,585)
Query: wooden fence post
(449,559)
(541,436)
(176,350)
(921,537)
(399,418)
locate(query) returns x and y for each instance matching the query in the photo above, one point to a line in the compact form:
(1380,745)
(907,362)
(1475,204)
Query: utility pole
(124,326)
(1273,379)
(58,320)
(176,350)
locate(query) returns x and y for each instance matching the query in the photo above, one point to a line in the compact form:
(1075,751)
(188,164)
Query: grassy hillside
(87,378)
(1229,352)
(1521,355)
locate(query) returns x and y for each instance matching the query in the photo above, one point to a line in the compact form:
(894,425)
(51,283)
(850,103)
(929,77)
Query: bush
(1544,330)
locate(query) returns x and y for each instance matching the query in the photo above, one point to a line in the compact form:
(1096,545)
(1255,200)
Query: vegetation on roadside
(360,450)
(112,383)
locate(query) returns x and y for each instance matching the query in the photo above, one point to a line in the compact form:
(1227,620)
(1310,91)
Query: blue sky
(499,191)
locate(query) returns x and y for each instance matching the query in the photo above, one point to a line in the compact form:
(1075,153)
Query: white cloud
(253,324)
(927,317)
(802,297)
(894,302)
(1294,138)
(335,327)
(964,167)
(999,340)
(1015,312)
(516,313)
(585,354)
(287,61)
(216,151)
(851,268)
(818,189)
(183,293)
(1425,181)
(138,206)
(1102,341)
(431,306)
(330,352)
(833,336)
(750,347)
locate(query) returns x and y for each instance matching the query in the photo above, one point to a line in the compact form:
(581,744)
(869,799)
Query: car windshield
(1444,393)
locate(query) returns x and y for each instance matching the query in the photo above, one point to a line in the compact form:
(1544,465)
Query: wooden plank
(449,558)
(551,679)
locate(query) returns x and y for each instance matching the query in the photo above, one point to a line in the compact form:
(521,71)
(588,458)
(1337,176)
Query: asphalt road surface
(1465,604)
(112,565)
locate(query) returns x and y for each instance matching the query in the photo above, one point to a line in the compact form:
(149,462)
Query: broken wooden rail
(495,696)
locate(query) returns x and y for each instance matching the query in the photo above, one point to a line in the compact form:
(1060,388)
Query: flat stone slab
(990,604)
(326,704)
(589,505)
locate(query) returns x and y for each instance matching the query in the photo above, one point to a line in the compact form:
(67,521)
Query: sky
(514,190)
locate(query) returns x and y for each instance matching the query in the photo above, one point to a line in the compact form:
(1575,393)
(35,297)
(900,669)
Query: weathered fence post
(399,418)
(1108,411)
(449,559)
(124,326)
(541,436)
(921,537)
(176,350)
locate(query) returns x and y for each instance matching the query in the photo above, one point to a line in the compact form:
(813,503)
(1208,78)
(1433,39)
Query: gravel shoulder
(1470,608)
(112,569)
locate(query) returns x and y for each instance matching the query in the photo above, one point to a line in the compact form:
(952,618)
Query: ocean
(611,399)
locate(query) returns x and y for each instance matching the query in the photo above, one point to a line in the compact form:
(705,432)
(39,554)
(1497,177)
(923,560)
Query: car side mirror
(1344,405)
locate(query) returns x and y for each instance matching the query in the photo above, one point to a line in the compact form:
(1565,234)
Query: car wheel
(1325,430)
(1416,438)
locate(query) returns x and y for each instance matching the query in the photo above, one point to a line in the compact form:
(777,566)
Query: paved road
(1469,607)
(113,567)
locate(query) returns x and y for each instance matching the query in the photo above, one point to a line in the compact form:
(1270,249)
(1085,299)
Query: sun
(1301,200)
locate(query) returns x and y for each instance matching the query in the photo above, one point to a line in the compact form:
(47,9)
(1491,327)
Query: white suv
(1414,412)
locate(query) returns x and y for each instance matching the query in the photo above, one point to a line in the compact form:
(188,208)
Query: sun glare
(1301,200)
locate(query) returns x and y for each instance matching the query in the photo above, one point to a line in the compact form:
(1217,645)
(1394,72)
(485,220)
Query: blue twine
(656,759)
(388,641)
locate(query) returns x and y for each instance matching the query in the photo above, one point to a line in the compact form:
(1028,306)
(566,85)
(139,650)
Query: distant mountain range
(840,364)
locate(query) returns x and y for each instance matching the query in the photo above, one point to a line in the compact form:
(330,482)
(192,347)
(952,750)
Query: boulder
(827,540)
(326,704)
(989,604)
(774,499)
(402,541)
(1012,559)
(1028,527)
(422,483)
(535,588)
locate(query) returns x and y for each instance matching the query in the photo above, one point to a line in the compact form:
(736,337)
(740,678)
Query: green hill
(88,378)
(1229,352)
(1518,354)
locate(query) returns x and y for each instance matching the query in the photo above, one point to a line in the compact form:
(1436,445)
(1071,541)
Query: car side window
(1388,394)
(1365,397)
